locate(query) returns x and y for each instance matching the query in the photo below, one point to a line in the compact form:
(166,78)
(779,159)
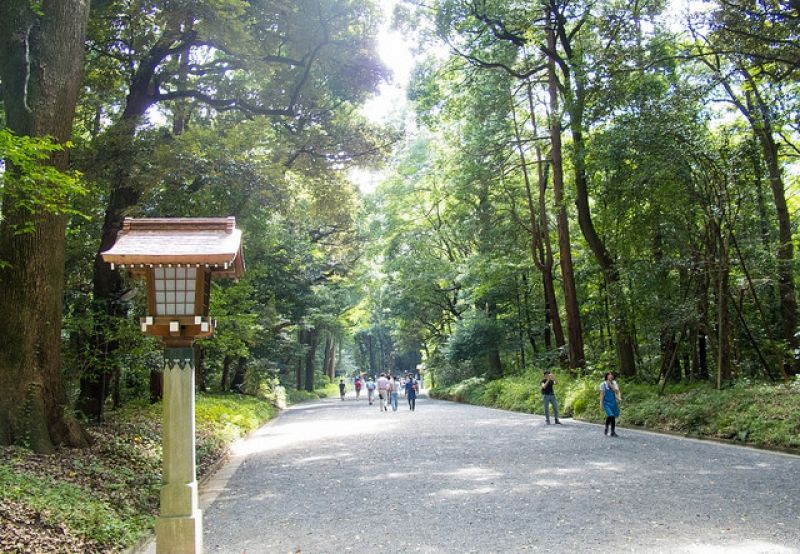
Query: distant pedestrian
(549,397)
(609,402)
(411,393)
(342,388)
(394,393)
(383,382)
(357,385)
(371,391)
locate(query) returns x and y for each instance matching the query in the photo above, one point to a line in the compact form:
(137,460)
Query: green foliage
(228,417)
(474,337)
(518,393)
(31,185)
(451,374)
(469,391)
(221,419)
(73,506)
(295,396)
(580,397)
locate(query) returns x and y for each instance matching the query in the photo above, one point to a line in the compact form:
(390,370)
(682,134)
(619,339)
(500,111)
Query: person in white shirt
(383,385)
(393,393)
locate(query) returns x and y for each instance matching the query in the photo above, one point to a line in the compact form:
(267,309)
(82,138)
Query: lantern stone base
(179,529)
(180,534)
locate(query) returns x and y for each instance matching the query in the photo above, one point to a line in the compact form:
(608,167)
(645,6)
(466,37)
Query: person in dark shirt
(342,388)
(549,396)
(411,393)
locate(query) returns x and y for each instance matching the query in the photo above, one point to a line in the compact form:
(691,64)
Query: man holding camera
(549,397)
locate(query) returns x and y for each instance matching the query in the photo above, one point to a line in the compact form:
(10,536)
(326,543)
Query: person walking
(549,397)
(357,385)
(383,382)
(411,393)
(371,391)
(609,402)
(394,393)
(342,388)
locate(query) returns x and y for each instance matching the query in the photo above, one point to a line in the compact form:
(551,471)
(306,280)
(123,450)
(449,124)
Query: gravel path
(333,477)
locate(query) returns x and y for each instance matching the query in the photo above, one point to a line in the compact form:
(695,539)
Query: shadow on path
(334,476)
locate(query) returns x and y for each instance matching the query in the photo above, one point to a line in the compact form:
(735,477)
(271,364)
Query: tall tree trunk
(41,67)
(785,253)
(312,337)
(371,357)
(548,280)
(622,329)
(692,355)
(107,283)
(765,232)
(238,376)
(702,355)
(156,386)
(723,319)
(330,356)
(718,252)
(495,362)
(201,370)
(575,344)
(575,103)
(119,153)
(521,309)
(334,360)
(702,303)
(116,393)
(224,382)
(338,365)
(541,251)
(668,342)
(298,368)
(759,114)
(529,325)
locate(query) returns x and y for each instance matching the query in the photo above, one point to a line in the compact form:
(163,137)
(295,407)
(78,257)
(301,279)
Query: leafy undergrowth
(295,396)
(760,415)
(104,498)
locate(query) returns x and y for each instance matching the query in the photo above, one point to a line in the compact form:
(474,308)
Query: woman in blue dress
(609,402)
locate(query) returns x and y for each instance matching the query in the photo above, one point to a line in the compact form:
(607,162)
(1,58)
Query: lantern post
(177,258)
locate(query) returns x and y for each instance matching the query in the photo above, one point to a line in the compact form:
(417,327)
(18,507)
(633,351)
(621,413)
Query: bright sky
(396,54)
(390,102)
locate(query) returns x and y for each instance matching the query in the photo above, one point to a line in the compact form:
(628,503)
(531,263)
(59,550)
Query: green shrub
(293,396)
(517,393)
(475,336)
(580,398)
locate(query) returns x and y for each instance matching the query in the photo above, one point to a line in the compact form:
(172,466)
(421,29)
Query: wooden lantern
(178,258)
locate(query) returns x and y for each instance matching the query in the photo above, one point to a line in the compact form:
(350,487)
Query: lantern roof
(210,242)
